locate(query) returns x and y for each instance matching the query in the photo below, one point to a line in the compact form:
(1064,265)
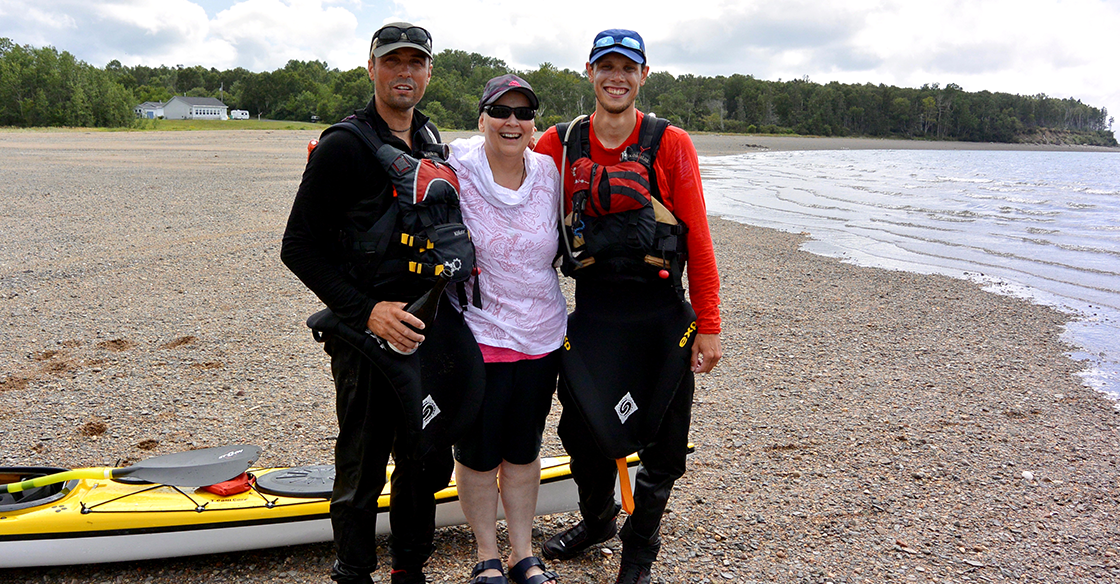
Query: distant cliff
(1066,137)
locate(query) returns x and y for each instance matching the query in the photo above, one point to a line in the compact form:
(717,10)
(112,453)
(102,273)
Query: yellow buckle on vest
(406,239)
(418,268)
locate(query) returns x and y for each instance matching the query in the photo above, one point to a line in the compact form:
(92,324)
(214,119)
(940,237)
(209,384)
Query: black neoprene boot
(638,554)
(407,576)
(345,574)
(636,548)
(575,541)
(632,573)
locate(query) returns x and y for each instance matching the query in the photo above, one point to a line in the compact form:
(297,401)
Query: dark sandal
(517,573)
(494,564)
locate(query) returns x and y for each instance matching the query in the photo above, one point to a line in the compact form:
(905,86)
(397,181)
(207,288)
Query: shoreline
(706,143)
(714,144)
(722,144)
(865,425)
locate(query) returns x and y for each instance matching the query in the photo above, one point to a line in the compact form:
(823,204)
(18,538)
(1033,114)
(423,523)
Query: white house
(195,108)
(149,110)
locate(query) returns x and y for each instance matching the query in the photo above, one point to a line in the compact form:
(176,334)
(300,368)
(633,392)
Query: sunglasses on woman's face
(501,112)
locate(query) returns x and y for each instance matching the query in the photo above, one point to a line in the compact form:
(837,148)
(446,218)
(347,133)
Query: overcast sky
(1062,48)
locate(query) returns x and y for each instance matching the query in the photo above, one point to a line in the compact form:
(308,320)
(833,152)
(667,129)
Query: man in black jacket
(346,190)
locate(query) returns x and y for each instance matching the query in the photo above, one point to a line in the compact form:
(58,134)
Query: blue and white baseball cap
(627,43)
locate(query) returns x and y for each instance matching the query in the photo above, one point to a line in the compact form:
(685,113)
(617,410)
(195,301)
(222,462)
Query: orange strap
(624,485)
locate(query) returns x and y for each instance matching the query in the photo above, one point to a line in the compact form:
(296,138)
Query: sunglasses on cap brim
(628,42)
(395,34)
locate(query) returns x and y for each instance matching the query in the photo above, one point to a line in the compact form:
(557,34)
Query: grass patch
(195,125)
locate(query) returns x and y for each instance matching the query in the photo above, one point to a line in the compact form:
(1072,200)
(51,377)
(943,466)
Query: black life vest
(616,226)
(421,233)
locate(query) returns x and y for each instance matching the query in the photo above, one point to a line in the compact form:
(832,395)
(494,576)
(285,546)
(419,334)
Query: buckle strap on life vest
(422,220)
(418,242)
(423,269)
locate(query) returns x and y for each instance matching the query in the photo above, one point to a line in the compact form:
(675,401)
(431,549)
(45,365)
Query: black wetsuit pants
(369,414)
(663,462)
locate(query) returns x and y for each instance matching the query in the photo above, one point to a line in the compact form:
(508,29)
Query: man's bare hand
(387,321)
(706,353)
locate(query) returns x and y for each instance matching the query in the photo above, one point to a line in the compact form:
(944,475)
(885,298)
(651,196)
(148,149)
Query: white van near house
(239,114)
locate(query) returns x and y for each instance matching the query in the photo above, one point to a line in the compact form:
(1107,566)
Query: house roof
(210,101)
(151,105)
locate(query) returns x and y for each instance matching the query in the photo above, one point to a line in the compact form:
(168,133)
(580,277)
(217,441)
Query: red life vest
(422,232)
(616,226)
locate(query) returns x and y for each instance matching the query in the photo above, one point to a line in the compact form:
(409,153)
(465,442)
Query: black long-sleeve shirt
(342,179)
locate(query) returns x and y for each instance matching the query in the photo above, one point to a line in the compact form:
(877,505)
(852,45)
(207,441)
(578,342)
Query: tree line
(43,87)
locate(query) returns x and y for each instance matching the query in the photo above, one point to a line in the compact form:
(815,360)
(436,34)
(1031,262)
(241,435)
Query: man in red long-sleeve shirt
(627,333)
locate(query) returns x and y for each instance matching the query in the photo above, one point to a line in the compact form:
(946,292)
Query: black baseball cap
(499,86)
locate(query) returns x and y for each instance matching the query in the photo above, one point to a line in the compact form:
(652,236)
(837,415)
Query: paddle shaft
(60,477)
(194,468)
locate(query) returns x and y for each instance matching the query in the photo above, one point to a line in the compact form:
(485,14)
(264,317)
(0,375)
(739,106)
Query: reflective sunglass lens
(389,34)
(604,42)
(418,35)
(629,42)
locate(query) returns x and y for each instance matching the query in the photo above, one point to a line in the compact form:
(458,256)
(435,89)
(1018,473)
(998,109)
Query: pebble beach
(864,426)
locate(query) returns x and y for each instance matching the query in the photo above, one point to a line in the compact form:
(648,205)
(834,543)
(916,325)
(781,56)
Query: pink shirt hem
(491,354)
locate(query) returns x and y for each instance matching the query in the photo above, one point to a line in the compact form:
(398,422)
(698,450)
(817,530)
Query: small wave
(951,179)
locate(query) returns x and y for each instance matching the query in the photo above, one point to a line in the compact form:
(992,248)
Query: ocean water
(1039,225)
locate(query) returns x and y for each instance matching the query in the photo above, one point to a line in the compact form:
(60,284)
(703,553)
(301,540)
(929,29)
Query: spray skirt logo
(431,410)
(625,408)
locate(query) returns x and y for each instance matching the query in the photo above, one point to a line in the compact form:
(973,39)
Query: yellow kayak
(86,521)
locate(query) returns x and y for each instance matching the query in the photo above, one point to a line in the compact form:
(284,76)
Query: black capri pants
(510,424)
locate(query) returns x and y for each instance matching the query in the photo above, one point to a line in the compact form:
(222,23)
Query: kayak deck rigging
(89,520)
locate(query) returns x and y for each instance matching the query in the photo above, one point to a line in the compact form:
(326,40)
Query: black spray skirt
(627,349)
(440,386)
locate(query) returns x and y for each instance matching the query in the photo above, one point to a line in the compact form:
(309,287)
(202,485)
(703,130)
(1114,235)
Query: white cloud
(255,34)
(1054,47)
(100,32)
(266,34)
